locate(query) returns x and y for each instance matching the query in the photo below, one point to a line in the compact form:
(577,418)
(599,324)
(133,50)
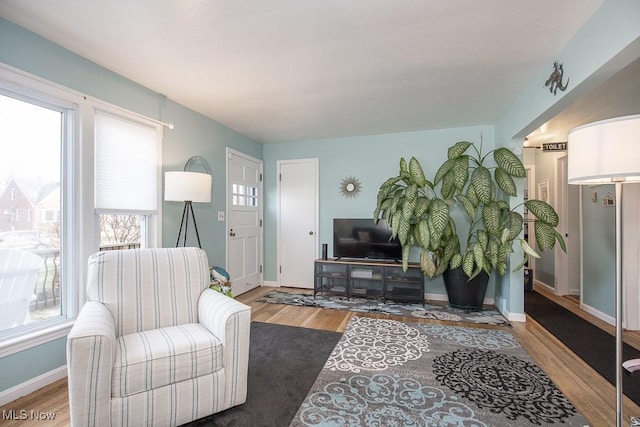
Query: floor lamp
(608,152)
(187,187)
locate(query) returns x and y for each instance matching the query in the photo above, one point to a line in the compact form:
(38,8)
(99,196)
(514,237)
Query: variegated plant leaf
(423,232)
(443,170)
(543,211)
(491,218)
(481,182)
(448,186)
(456,261)
(460,172)
(417,174)
(509,162)
(545,235)
(427,265)
(528,249)
(467,205)
(515,224)
(458,149)
(505,182)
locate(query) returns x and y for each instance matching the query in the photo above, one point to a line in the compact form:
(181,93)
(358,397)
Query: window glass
(122,231)
(30,177)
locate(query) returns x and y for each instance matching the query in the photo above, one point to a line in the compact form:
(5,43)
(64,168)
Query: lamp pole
(619,388)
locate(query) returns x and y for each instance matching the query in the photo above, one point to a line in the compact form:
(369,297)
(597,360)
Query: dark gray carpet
(593,345)
(284,362)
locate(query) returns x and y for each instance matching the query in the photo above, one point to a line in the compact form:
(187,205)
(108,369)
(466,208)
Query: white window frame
(77,202)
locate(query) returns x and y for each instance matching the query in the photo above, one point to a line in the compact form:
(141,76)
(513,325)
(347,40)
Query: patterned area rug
(367,305)
(390,373)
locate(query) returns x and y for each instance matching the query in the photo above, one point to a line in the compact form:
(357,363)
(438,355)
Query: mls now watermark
(30,415)
(635,421)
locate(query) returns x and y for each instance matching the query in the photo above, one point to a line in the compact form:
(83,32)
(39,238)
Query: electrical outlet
(220,215)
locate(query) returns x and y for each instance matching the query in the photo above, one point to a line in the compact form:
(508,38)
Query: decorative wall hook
(554,82)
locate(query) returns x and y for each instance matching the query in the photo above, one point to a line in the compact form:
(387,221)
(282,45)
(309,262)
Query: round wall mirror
(197,164)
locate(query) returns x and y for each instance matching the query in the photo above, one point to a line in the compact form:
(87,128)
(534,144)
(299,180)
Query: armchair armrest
(91,347)
(229,320)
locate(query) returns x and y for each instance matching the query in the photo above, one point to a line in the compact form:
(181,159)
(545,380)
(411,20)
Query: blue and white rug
(367,305)
(391,373)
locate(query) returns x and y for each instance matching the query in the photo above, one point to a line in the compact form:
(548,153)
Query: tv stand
(369,279)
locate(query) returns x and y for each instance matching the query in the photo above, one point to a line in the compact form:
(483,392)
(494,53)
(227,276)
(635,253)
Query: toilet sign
(554,146)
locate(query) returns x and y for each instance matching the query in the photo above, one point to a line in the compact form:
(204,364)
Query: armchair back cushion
(150,290)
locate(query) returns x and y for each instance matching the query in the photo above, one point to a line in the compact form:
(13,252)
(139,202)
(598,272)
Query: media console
(369,279)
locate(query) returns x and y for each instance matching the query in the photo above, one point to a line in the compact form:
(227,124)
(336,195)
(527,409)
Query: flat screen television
(363,238)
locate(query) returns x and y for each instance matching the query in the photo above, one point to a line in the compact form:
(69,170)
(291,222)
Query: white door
(244,221)
(297,221)
(567,268)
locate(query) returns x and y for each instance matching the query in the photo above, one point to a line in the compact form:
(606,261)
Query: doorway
(297,221)
(244,221)
(566,203)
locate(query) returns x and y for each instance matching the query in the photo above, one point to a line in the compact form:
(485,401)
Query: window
(244,195)
(32,131)
(49,179)
(127,169)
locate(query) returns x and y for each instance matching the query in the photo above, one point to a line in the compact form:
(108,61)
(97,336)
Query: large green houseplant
(423,214)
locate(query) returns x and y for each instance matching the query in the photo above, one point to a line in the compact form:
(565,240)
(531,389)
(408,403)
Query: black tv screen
(363,238)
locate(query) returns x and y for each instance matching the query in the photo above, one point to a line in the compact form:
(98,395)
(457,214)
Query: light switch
(220,215)
(594,196)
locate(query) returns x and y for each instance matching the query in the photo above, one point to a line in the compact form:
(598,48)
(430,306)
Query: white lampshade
(605,151)
(182,186)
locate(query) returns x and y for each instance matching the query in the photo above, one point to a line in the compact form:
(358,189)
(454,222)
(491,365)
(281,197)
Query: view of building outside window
(30,212)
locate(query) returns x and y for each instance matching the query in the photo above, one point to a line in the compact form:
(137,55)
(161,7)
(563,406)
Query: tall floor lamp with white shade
(187,187)
(608,152)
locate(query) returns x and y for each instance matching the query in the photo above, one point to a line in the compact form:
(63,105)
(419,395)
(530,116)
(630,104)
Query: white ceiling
(286,70)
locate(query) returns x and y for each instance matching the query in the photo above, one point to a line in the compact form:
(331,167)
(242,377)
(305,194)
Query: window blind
(126,164)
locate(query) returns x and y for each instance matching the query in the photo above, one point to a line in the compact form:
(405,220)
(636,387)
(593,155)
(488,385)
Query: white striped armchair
(153,345)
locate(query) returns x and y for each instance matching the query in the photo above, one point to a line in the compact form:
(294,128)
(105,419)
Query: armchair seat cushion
(150,359)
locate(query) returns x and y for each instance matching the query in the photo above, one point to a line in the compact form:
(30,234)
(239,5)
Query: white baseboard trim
(512,317)
(270,283)
(544,285)
(443,297)
(600,315)
(32,385)
(435,297)
(516,317)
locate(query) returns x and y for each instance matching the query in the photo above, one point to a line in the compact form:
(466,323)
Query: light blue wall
(194,134)
(371,159)
(609,41)
(599,248)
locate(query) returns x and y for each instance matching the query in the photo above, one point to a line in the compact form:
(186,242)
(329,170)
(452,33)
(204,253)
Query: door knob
(311,233)
(232,233)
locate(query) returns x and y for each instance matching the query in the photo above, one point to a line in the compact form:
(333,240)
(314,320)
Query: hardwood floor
(591,394)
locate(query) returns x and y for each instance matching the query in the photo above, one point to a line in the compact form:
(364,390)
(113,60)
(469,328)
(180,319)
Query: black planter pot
(465,293)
